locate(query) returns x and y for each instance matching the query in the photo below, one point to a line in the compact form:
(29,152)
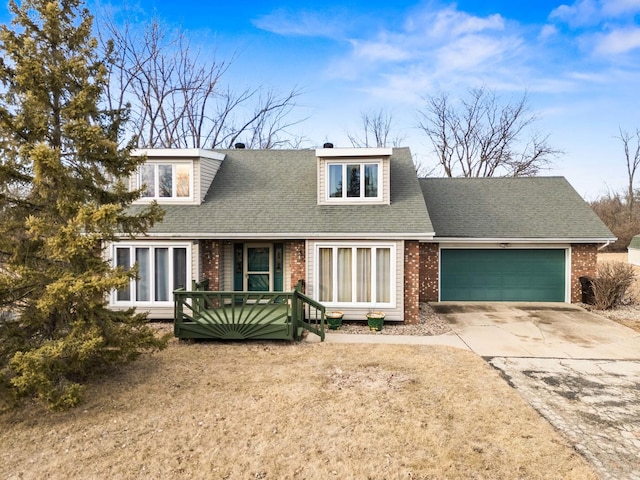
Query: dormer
(175,176)
(354,176)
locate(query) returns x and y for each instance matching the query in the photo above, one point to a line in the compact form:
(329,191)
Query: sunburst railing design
(244,315)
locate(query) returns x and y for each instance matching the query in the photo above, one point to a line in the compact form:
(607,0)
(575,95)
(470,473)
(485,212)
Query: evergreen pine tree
(63,193)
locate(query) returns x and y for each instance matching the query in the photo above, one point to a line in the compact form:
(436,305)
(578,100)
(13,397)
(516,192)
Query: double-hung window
(354,181)
(356,274)
(161,269)
(163,181)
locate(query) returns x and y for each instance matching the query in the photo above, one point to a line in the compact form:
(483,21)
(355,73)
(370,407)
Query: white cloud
(473,52)
(436,49)
(586,13)
(453,23)
(615,8)
(384,49)
(581,13)
(302,23)
(606,28)
(618,41)
(548,31)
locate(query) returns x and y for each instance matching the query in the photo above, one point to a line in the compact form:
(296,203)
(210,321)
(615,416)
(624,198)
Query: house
(634,251)
(358,227)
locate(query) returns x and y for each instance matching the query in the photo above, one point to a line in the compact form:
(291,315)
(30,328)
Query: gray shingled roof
(273,192)
(510,208)
(635,242)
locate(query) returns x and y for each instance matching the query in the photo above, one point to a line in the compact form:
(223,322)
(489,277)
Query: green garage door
(515,275)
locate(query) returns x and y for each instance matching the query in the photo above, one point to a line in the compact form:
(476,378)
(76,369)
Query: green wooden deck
(246,315)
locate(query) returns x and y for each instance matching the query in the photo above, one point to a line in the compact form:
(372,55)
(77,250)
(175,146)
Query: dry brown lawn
(288,411)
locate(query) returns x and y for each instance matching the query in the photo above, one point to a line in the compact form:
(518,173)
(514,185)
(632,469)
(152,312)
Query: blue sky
(579,61)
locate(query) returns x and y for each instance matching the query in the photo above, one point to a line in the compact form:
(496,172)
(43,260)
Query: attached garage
(510,274)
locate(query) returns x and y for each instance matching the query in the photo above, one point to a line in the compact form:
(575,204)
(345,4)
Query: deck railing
(310,314)
(202,313)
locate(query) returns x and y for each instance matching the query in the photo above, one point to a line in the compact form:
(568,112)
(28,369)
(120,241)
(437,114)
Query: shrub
(611,284)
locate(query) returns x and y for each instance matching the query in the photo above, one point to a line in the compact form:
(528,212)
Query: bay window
(161,269)
(356,275)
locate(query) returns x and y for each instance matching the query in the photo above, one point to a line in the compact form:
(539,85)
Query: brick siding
(411,281)
(298,262)
(584,258)
(210,251)
(429,271)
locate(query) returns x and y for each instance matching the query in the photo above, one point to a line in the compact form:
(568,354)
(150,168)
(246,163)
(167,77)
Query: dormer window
(166,180)
(353,180)
(352,176)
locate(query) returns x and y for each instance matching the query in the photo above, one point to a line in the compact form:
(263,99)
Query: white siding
(634,256)
(226,282)
(286,271)
(207,169)
(196,268)
(154,313)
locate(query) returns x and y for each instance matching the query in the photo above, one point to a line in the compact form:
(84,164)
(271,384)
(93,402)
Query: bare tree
(632,158)
(483,137)
(177,97)
(376,131)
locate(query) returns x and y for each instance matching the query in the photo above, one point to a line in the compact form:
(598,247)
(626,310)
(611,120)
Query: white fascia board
(177,153)
(422,237)
(522,240)
(353,152)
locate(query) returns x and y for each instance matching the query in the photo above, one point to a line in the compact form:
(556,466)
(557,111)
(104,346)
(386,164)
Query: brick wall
(411,281)
(210,251)
(429,267)
(583,263)
(298,262)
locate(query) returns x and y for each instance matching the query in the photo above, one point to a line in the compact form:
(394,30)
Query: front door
(258,261)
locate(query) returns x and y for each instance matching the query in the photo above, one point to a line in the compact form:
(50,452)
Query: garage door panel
(503,275)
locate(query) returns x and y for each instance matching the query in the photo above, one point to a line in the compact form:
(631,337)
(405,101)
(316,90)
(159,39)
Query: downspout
(605,245)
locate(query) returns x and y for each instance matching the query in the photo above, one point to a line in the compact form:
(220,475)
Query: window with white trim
(161,270)
(355,275)
(353,180)
(166,180)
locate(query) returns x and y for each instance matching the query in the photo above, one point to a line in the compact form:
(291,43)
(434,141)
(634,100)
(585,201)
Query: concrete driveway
(581,371)
(542,330)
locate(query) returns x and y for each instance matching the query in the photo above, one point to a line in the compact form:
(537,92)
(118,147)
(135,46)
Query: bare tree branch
(177,98)
(632,158)
(376,131)
(483,137)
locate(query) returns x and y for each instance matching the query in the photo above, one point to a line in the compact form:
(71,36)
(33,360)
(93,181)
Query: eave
(421,237)
(545,240)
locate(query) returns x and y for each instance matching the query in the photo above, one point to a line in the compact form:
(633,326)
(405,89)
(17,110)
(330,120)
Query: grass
(277,410)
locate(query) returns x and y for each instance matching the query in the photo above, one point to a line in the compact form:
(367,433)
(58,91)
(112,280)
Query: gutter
(421,237)
(554,240)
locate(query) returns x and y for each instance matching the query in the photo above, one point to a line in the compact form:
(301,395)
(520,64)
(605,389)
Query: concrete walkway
(448,339)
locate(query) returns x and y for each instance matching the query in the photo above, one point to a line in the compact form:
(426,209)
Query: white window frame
(174,184)
(132,246)
(362,198)
(393,272)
